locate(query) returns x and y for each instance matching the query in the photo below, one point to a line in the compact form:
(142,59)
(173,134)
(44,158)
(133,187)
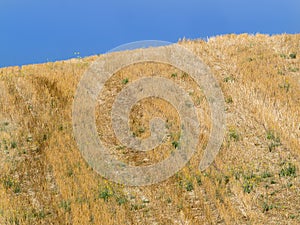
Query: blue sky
(36,31)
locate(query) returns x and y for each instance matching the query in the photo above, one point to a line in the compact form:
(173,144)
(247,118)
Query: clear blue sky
(35,31)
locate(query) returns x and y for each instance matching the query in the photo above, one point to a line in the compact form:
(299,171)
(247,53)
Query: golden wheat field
(255,178)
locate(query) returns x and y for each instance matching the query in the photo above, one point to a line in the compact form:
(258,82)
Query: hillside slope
(255,178)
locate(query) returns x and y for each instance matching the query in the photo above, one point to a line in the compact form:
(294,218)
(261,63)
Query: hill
(255,178)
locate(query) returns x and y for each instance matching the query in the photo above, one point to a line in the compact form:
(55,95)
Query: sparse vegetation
(288,170)
(44,178)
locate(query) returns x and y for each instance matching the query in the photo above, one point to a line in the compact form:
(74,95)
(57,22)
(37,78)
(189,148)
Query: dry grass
(254,179)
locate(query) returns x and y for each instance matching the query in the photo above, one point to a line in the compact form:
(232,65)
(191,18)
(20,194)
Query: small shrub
(175,144)
(105,194)
(174,75)
(189,186)
(293,55)
(125,81)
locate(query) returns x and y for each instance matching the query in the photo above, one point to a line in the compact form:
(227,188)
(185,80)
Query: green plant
(125,81)
(226,179)
(169,200)
(273,182)
(247,186)
(8,182)
(229,100)
(229,79)
(275,140)
(17,188)
(286,86)
(184,75)
(288,171)
(293,55)
(66,205)
(45,137)
(137,207)
(121,200)
(280,72)
(179,207)
(105,193)
(233,134)
(198,180)
(13,144)
(266,207)
(266,174)
(293,69)
(189,186)
(283,56)
(174,75)
(70,172)
(14,221)
(270,135)
(273,145)
(41,214)
(175,144)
